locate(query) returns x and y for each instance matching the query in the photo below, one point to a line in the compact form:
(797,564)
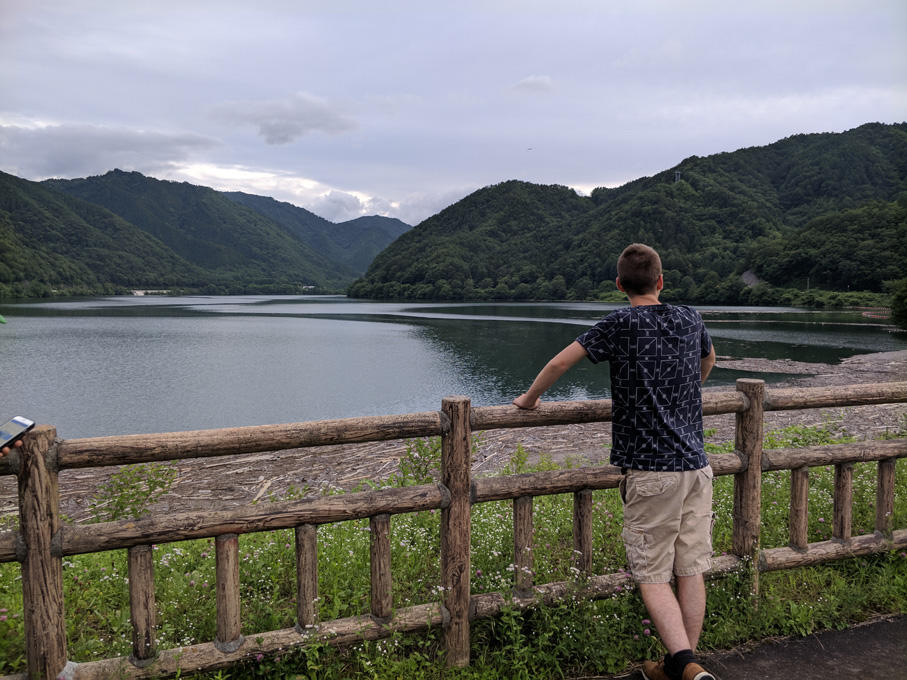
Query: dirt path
(241,480)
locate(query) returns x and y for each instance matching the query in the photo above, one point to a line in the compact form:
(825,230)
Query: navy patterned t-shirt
(655,353)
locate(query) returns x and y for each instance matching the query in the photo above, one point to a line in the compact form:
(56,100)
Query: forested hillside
(49,240)
(817,211)
(354,243)
(239,248)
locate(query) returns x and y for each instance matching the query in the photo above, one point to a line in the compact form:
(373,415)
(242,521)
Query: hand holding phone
(12,431)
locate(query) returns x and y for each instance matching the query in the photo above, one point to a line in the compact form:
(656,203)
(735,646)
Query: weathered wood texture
(142,608)
(774,559)
(582,531)
(748,484)
(590,411)
(339,632)
(813,456)
(229,622)
(824,397)
(306,576)
(42,570)
(523,563)
(456,528)
(181,526)
(144,448)
(842,522)
(885,497)
(799,507)
(380,552)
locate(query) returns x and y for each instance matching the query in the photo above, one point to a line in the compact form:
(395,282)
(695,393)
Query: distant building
(677,175)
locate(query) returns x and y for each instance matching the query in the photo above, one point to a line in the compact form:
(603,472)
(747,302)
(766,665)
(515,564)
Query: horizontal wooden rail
(832,454)
(207,656)
(788,399)
(592,411)
(145,448)
(552,482)
(77,540)
(774,559)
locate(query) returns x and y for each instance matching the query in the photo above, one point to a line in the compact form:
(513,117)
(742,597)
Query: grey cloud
(534,84)
(282,121)
(77,150)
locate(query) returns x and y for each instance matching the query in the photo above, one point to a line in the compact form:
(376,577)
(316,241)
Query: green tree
(899,304)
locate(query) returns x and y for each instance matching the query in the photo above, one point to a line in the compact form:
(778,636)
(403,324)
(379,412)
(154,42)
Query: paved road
(875,651)
(872,651)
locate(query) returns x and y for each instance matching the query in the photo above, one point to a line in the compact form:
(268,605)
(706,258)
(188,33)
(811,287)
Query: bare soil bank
(241,480)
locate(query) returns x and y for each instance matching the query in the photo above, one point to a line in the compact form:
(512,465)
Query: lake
(122,365)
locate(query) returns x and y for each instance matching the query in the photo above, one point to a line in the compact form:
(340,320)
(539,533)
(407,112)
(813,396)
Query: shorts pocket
(635,544)
(655,485)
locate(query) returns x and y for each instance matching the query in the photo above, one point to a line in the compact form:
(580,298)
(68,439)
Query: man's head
(638,270)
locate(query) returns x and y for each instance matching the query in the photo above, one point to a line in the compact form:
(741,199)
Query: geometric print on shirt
(655,354)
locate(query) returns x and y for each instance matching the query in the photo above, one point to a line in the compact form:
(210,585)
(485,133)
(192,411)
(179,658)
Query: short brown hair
(638,269)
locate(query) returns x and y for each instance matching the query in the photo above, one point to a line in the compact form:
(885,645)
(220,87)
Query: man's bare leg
(664,608)
(678,618)
(691,597)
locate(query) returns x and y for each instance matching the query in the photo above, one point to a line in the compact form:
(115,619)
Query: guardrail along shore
(42,540)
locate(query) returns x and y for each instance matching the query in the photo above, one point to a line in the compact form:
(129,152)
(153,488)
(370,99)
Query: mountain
(49,240)
(354,243)
(235,244)
(807,210)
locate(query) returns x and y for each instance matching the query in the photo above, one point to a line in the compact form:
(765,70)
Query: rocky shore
(241,480)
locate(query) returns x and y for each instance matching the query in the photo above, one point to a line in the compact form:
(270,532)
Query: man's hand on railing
(526,402)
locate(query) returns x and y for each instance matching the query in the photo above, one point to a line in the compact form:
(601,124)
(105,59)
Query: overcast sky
(400,108)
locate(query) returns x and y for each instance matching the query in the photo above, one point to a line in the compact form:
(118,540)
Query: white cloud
(282,121)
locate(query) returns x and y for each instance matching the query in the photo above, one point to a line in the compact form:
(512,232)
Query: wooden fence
(42,540)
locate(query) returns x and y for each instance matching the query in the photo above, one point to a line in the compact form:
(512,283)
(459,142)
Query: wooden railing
(42,540)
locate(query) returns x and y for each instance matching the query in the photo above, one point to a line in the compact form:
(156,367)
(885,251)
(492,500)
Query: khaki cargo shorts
(667,523)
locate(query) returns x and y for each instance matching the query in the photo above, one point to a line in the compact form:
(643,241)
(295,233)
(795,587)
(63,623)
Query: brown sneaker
(655,670)
(694,671)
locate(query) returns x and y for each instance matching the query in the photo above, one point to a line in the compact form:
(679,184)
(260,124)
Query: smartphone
(13,430)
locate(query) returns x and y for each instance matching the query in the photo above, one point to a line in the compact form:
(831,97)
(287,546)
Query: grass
(576,637)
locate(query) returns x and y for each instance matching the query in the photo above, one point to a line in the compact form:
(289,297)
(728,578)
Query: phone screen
(12,430)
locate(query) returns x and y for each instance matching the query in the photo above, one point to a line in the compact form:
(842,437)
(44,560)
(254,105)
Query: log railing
(42,540)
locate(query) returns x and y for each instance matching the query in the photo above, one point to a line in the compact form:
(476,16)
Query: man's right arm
(554,369)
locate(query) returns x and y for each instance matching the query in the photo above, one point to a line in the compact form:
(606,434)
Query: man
(659,355)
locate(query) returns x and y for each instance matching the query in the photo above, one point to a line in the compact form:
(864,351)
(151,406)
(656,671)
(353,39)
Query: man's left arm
(706,364)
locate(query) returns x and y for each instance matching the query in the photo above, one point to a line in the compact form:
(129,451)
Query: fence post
(523,564)
(885,497)
(842,522)
(380,554)
(456,528)
(42,563)
(799,508)
(582,531)
(748,484)
(229,622)
(306,577)
(142,604)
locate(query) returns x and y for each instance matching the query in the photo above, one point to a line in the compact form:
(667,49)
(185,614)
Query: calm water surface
(120,365)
